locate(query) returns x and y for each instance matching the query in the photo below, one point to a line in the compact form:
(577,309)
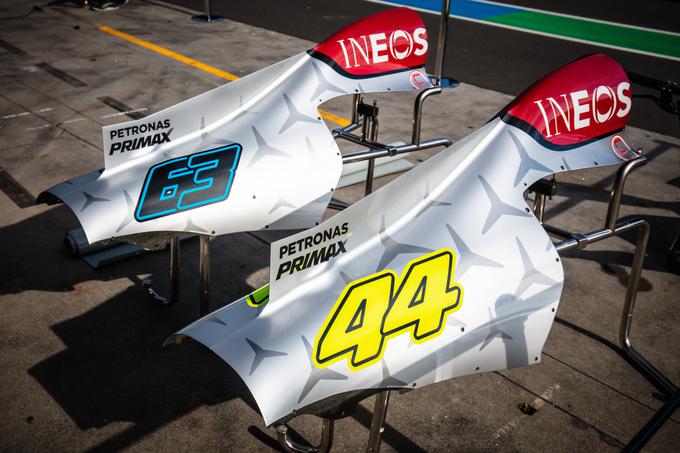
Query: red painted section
(384,42)
(588,98)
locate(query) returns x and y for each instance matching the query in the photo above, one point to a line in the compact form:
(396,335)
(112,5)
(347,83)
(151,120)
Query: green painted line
(612,35)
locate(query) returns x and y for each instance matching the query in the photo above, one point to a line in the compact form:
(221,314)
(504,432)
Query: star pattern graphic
(494,332)
(346,278)
(531,274)
(261,354)
(245,112)
(565,164)
(310,148)
(294,116)
(324,85)
(498,208)
(453,321)
(430,203)
(313,155)
(130,211)
(526,162)
(281,203)
(317,374)
(191,226)
(394,248)
(466,257)
(90,199)
(263,149)
(208,139)
(388,380)
(217,320)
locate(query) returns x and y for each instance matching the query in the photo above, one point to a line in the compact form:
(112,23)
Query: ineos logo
(582,108)
(379,48)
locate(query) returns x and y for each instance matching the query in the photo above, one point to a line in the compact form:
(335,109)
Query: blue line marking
(464,8)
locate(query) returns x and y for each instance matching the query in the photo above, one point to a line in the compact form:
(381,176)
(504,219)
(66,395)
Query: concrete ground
(81,364)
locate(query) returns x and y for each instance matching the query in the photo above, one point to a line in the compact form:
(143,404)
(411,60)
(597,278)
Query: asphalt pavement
(81,362)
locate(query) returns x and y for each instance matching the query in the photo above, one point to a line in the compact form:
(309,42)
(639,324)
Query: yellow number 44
(370,311)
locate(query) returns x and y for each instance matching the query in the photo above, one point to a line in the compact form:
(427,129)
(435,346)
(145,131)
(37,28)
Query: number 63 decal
(369,311)
(188,182)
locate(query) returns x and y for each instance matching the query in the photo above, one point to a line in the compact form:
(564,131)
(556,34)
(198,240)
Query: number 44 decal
(369,311)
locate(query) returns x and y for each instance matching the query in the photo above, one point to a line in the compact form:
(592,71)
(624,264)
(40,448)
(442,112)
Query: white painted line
(537,403)
(38,127)
(74,120)
(17,115)
(111,115)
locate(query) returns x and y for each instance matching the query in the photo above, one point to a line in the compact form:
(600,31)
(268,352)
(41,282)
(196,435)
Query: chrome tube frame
(382,399)
(370,133)
(539,206)
(654,424)
(395,150)
(441,40)
(614,227)
(174,279)
(204,271)
(207,17)
(418,111)
(291,446)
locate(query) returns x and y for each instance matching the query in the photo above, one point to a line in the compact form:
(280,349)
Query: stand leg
(174,278)
(653,425)
(382,399)
(207,17)
(293,447)
(204,270)
(627,316)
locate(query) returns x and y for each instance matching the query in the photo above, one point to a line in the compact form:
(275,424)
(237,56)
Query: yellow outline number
(424,297)
(369,311)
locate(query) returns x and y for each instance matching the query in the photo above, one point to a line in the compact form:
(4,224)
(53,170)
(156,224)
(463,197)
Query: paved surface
(80,360)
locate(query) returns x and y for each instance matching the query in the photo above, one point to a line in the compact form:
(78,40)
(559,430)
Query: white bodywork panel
(288,165)
(468,198)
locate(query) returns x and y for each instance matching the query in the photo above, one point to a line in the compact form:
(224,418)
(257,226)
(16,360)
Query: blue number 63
(188,182)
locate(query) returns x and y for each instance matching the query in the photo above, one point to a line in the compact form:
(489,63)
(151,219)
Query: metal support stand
(382,399)
(615,228)
(204,271)
(438,78)
(369,133)
(207,17)
(174,278)
(356,99)
(294,447)
(365,116)
(418,112)
(539,206)
(653,425)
